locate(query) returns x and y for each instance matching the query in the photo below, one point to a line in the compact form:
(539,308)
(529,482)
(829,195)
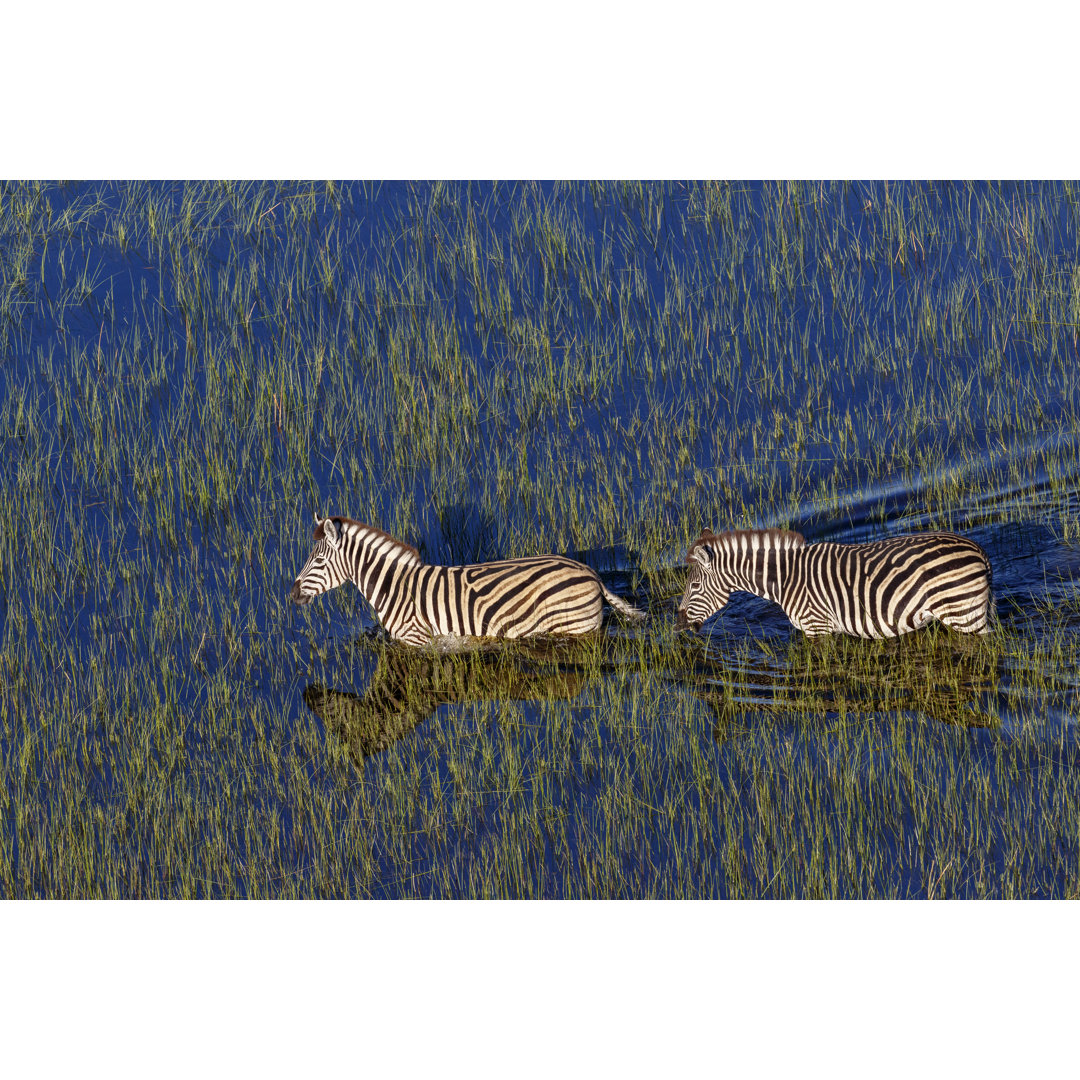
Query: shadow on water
(408,686)
(937,674)
(462,533)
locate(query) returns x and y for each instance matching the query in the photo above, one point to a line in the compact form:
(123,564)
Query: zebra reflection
(946,678)
(408,686)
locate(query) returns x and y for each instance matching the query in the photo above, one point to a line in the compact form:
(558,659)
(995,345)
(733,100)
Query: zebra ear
(700,553)
(330,531)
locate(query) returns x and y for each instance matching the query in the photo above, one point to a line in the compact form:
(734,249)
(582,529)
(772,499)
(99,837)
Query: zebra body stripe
(418,603)
(875,590)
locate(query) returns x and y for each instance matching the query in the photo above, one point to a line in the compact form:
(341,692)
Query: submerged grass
(188,371)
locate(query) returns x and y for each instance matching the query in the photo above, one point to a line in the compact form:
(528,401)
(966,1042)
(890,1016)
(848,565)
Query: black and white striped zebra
(875,590)
(418,604)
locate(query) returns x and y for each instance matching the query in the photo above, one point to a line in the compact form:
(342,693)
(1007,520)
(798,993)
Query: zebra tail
(621,606)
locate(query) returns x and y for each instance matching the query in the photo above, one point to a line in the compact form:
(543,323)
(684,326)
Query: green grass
(187,372)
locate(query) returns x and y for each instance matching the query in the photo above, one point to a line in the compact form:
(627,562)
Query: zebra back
(546,594)
(893,586)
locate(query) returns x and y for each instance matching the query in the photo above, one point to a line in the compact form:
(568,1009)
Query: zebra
(420,604)
(875,590)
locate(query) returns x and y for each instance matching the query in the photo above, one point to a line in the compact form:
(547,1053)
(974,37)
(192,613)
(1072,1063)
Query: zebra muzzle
(683,623)
(296,596)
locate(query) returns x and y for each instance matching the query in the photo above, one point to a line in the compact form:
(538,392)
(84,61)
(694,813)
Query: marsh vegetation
(189,371)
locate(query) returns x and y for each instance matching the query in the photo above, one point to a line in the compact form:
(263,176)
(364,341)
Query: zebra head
(705,593)
(326,568)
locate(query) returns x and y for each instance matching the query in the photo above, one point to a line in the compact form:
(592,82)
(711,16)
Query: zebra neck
(763,562)
(380,566)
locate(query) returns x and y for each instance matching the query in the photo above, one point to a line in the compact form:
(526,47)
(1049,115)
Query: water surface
(189,371)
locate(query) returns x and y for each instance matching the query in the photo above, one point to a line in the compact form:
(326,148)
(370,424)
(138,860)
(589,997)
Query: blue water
(96,319)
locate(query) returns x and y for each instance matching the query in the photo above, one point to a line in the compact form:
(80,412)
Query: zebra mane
(780,538)
(404,551)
